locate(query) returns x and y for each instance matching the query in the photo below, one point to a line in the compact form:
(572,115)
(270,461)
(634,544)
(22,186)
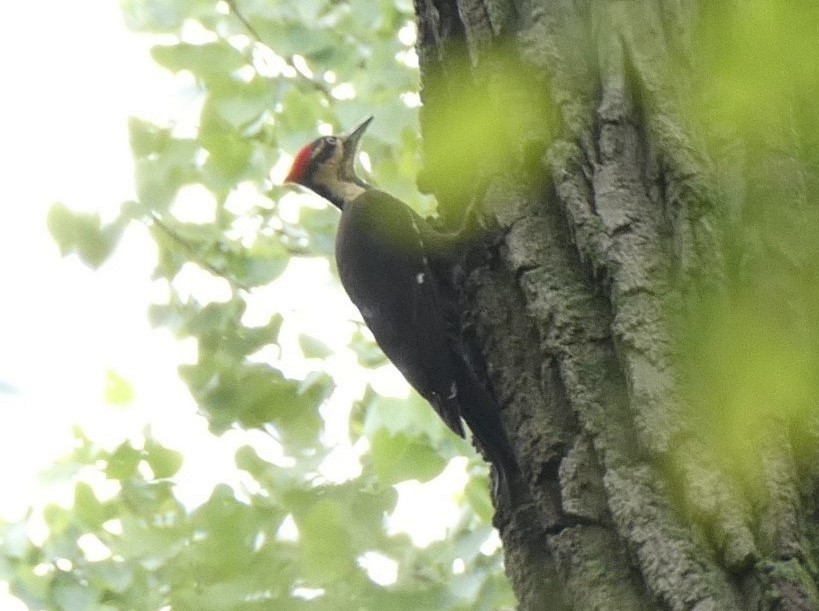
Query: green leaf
(310,10)
(262,263)
(229,152)
(397,458)
(368,353)
(159,175)
(256,395)
(368,15)
(123,462)
(327,552)
(297,125)
(163,461)
(147,498)
(113,575)
(118,390)
(293,38)
(467,586)
(69,595)
(16,543)
(150,544)
(412,415)
(32,588)
(316,386)
(313,348)
(214,596)
(146,138)
(160,15)
(240,103)
(477,492)
(467,544)
(83,234)
(59,521)
(89,510)
(320,224)
(210,59)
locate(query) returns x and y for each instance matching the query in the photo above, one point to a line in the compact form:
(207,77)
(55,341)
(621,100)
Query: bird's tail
(482,414)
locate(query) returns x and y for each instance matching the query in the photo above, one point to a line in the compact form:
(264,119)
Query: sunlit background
(69,334)
(66,329)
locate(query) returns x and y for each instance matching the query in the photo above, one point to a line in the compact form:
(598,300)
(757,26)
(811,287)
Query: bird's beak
(351,144)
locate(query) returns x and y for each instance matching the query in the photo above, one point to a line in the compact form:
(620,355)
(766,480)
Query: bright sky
(73,75)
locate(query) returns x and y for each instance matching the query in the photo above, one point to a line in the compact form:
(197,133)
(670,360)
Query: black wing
(384,270)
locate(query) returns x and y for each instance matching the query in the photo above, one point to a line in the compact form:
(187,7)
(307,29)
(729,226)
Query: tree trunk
(562,121)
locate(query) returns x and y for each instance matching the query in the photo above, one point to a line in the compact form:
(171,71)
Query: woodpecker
(397,270)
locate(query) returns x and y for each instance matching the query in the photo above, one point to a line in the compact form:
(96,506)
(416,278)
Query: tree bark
(609,227)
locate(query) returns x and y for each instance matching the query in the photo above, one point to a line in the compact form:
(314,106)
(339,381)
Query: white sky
(70,77)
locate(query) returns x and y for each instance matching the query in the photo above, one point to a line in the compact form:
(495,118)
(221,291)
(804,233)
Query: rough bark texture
(607,226)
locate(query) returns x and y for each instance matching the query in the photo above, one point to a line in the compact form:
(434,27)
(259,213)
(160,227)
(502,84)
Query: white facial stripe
(329,175)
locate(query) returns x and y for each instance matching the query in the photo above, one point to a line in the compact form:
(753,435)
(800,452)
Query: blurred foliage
(148,551)
(83,234)
(491,119)
(752,351)
(268,79)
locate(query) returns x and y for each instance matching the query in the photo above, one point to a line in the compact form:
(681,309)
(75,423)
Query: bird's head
(327,166)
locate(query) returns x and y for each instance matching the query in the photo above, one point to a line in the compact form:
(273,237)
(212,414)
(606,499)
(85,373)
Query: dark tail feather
(482,414)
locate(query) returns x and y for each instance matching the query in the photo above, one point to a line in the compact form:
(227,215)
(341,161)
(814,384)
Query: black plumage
(398,271)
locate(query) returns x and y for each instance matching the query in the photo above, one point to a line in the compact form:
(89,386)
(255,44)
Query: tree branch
(195,257)
(288,59)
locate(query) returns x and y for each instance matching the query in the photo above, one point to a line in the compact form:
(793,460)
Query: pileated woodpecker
(398,271)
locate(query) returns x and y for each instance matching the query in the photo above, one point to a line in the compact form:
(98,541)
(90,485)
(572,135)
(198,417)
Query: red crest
(298,171)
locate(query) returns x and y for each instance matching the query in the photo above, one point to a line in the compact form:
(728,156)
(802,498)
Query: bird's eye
(331,140)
